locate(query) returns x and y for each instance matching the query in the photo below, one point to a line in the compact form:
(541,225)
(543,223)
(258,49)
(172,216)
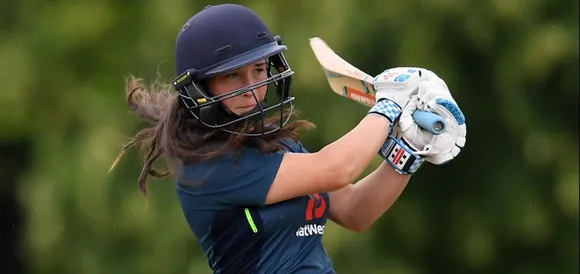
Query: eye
(260,73)
(231,75)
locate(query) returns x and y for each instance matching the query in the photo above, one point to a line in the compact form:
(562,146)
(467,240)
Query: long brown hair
(176,136)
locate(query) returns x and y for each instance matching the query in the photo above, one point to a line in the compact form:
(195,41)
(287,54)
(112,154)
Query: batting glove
(399,84)
(434,96)
(393,89)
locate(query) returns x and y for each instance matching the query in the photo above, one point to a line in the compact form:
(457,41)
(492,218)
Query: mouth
(244,109)
(247,107)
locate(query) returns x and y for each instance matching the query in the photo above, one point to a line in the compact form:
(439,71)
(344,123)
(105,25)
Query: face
(240,78)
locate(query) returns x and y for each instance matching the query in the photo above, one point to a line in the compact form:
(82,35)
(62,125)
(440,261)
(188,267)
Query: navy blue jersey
(224,204)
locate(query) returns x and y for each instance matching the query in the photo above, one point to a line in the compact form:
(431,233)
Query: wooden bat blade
(344,79)
(348,81)
(334,63)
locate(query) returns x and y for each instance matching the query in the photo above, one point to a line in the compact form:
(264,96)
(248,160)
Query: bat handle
(429,121)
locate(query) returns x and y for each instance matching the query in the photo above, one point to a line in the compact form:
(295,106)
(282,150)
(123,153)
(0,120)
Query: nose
(250,93)
(248,80)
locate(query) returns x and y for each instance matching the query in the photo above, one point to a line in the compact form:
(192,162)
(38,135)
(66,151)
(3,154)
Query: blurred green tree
(508,204)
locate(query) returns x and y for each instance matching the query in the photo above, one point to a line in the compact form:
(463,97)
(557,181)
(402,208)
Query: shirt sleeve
(295,147)
(301,148)
(240,179)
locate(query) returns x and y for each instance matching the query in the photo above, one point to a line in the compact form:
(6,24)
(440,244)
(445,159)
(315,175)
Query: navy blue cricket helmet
(220,39)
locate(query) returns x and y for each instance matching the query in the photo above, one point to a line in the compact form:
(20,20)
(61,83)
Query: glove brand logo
(315,208)
(398,154)
(389,74)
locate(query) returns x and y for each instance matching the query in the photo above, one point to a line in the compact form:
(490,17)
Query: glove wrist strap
(388,109)
(401,155)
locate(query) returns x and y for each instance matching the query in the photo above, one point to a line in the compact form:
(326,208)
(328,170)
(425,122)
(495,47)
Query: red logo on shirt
(315,208)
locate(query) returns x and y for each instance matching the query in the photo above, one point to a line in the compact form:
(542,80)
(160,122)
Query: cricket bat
(348,81)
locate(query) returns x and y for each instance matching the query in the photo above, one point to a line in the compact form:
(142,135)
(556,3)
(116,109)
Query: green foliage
(508,204)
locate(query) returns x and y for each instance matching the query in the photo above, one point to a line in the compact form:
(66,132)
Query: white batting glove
(399,84)
(434,96)
(394,87)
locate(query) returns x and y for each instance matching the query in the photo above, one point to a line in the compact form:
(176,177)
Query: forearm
(352,153)
(359,206)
